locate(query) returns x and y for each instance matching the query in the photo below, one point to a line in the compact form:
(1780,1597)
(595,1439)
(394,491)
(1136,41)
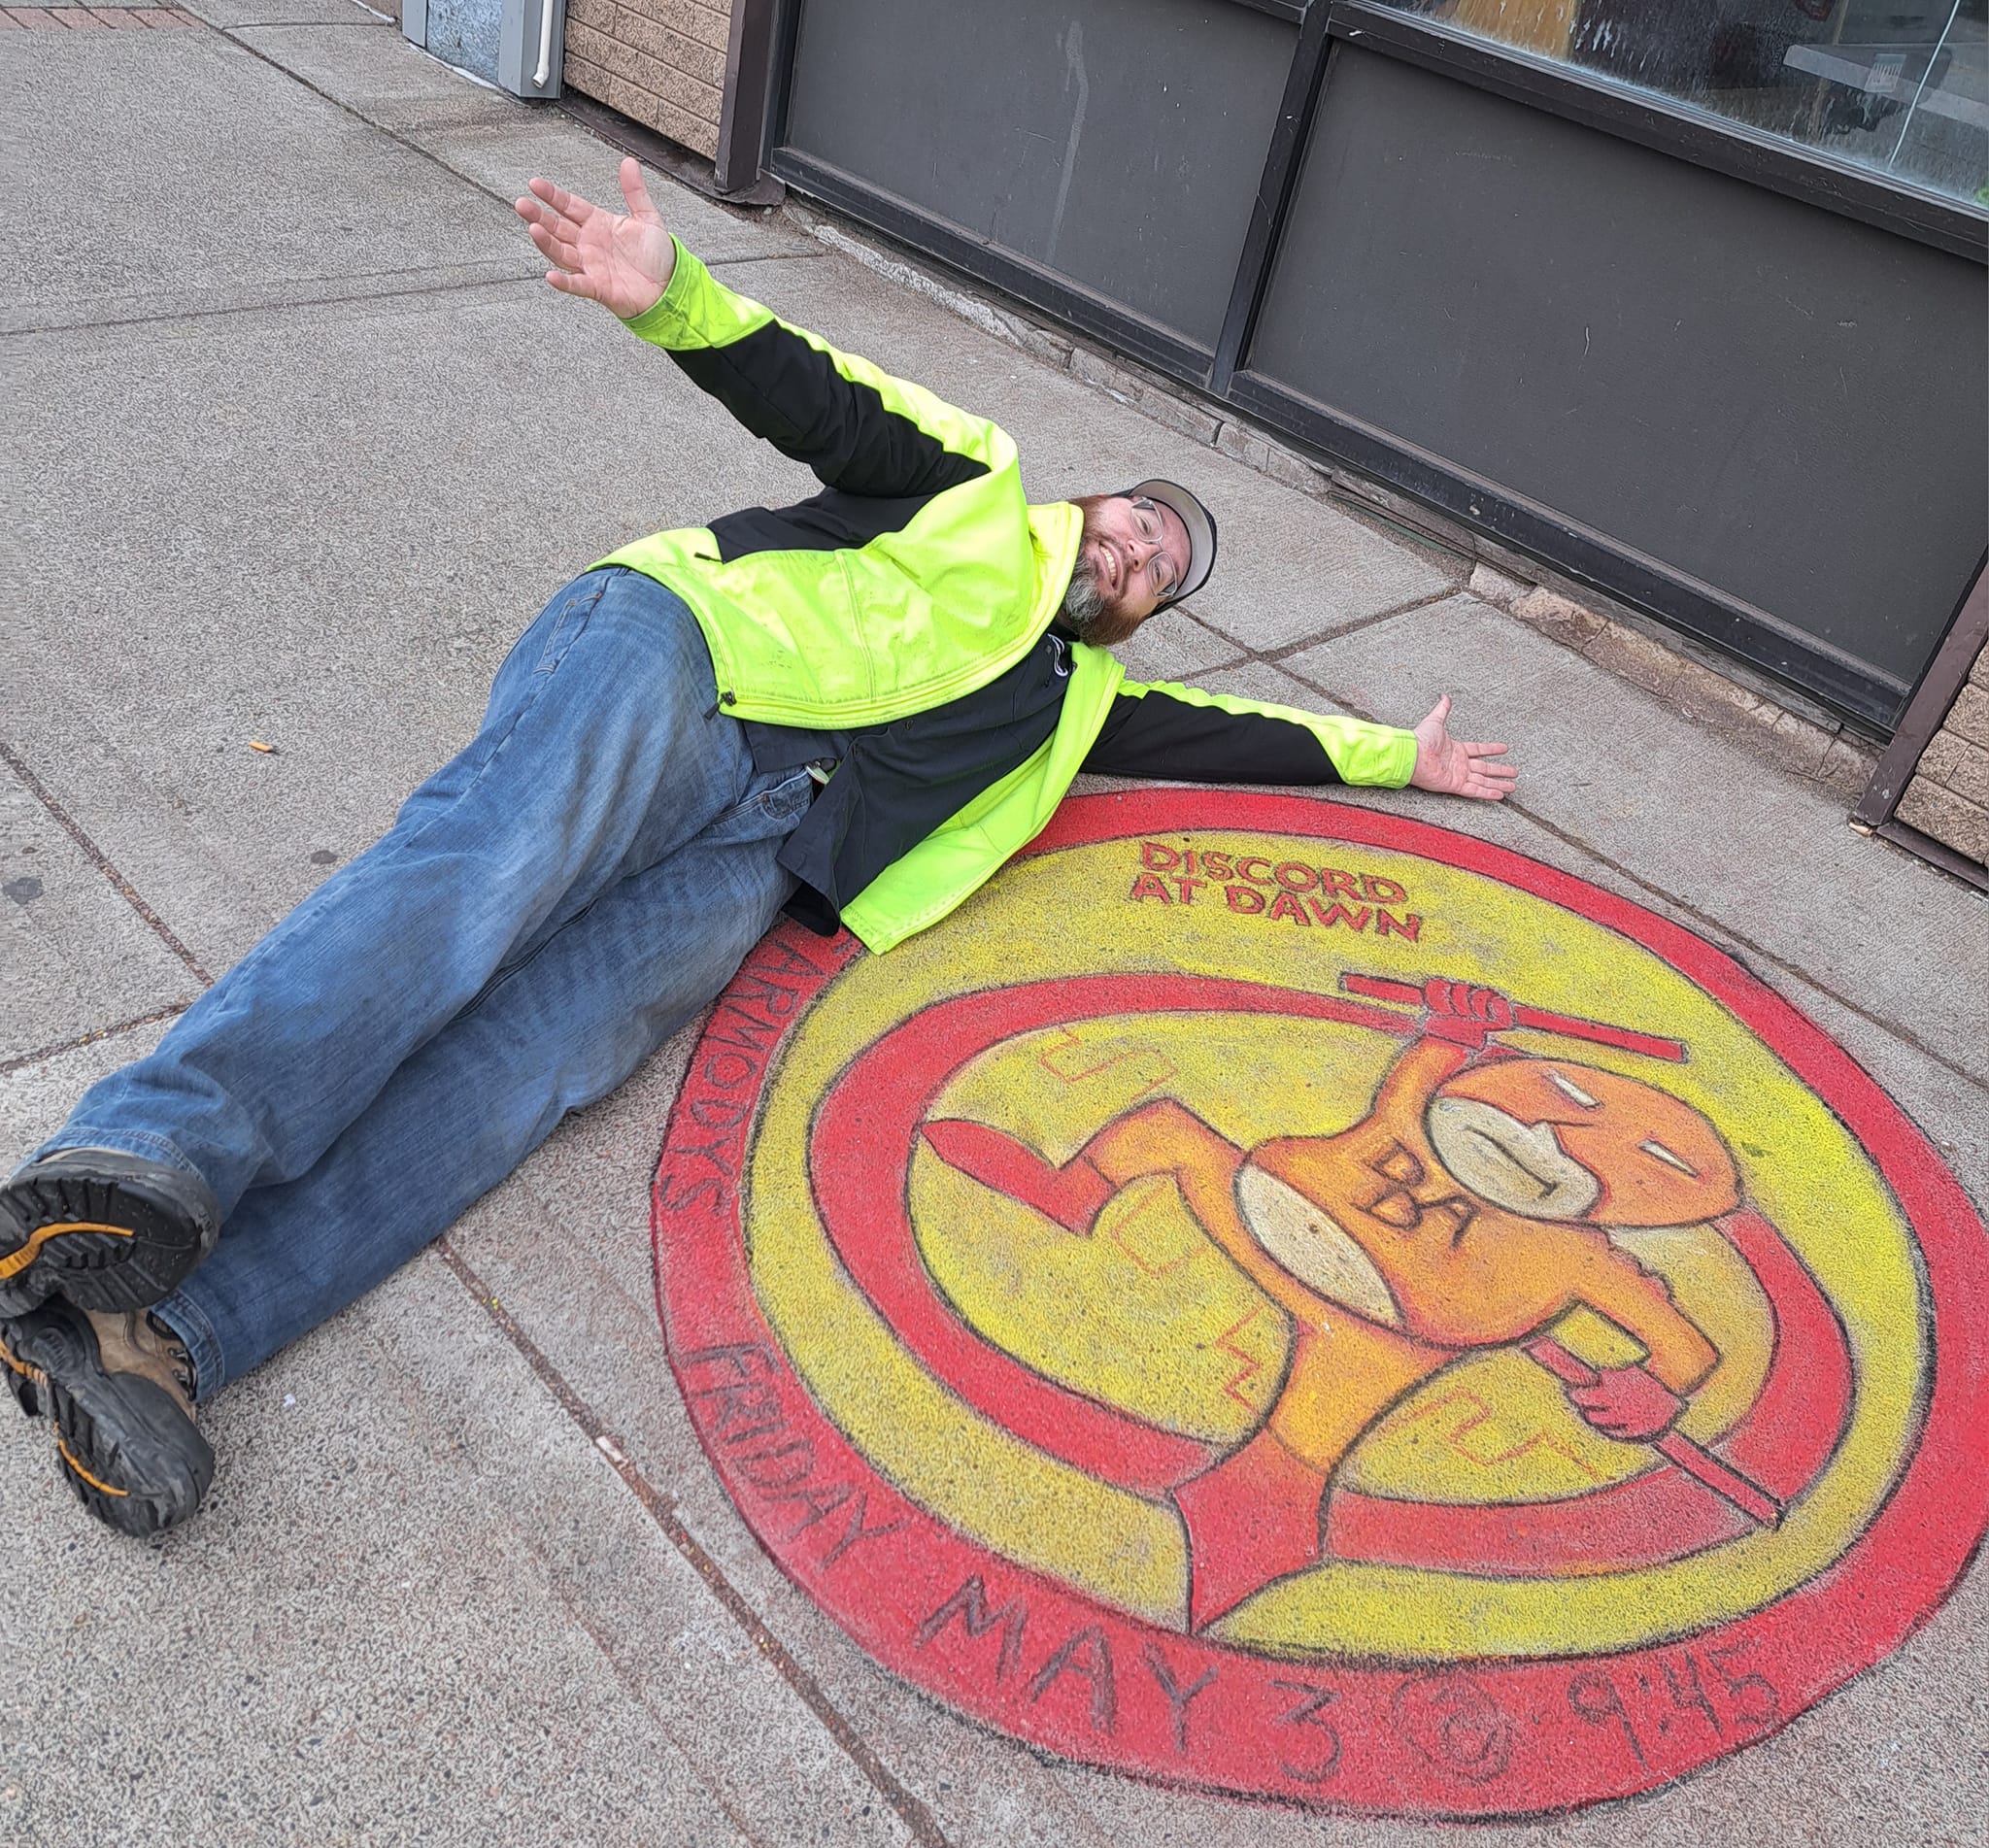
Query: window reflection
(1900,86)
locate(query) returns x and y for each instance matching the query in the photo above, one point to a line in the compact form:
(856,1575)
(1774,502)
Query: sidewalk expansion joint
(101,861)
(359,115)
(21,1061)
(70,17)
(293,304)
(764,257)
(505,199)
(662,1510)
(1276,656)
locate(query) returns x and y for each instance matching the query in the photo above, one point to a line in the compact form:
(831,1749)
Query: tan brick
(699,135)
(596,46)
(710,25)
(1244,444)
(700,61)
(1978,675)
(599,13)
(636,104)
(1190,420)
(632,28)
(640,69)
(1846,768)
(706,26)
(670,47)
(1951,819)
(1957,766)
(1559,617)
(1495,587)
(589,79)
(1636,657)
(1969,717)
(698,100)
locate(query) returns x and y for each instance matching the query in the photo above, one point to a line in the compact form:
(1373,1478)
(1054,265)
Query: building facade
(660,62)
(1685,299)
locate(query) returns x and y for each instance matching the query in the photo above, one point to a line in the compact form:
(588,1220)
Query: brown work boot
(119,1390)
(101,1228)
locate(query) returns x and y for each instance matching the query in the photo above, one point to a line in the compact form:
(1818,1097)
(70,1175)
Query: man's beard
(1084,600)
(1085,612)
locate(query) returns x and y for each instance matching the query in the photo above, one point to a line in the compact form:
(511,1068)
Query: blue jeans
(545,912)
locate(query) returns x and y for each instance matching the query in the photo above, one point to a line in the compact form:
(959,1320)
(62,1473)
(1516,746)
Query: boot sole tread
(156,1243)
(133,1458)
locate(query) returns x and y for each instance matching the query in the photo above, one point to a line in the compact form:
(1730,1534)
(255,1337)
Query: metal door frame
(1871,701)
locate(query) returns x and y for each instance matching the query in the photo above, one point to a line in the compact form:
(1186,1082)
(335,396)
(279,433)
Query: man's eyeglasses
(1154,529)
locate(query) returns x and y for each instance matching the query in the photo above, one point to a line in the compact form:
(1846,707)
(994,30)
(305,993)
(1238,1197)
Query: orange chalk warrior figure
(1471,1208)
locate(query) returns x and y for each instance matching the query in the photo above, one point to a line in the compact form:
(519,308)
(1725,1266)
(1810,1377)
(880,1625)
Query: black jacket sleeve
(791,394)
(1155,736)
(860,429)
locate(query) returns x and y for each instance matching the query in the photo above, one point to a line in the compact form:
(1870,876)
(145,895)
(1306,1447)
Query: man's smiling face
(1133,553)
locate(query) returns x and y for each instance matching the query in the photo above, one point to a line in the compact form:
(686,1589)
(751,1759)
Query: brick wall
(1948,796)
(660,61)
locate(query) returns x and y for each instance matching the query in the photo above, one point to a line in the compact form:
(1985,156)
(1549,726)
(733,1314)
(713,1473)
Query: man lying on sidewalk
(855,708)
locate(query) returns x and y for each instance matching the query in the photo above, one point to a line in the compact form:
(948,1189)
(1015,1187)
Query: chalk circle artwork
(1281,1300)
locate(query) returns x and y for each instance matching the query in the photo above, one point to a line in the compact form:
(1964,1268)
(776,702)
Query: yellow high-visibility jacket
(916,576)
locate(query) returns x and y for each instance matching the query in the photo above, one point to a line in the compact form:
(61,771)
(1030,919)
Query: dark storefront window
(1897,86)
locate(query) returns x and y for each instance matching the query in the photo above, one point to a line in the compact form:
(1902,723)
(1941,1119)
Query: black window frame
(1873,702)
(1669,125)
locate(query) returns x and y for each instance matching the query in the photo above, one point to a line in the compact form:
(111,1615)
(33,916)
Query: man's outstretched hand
(1452,767)
(622,262)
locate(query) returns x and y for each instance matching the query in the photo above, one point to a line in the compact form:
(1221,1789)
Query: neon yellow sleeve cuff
(696,310)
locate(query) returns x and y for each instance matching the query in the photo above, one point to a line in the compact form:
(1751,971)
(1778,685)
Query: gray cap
(1201,533)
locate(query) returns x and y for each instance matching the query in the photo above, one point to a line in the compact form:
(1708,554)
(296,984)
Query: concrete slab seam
(717,263)
(358,115)
(97,858)
(76,19)
(21,1061)
(1276,656)
(661,1510)
(175,316)
(334,25)
(1713,929)
(598,1634)
(412,146)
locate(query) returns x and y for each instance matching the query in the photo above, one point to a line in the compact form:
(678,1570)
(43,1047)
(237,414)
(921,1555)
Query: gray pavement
(300,442)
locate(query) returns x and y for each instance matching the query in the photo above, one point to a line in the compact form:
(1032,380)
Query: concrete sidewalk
(302,442)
